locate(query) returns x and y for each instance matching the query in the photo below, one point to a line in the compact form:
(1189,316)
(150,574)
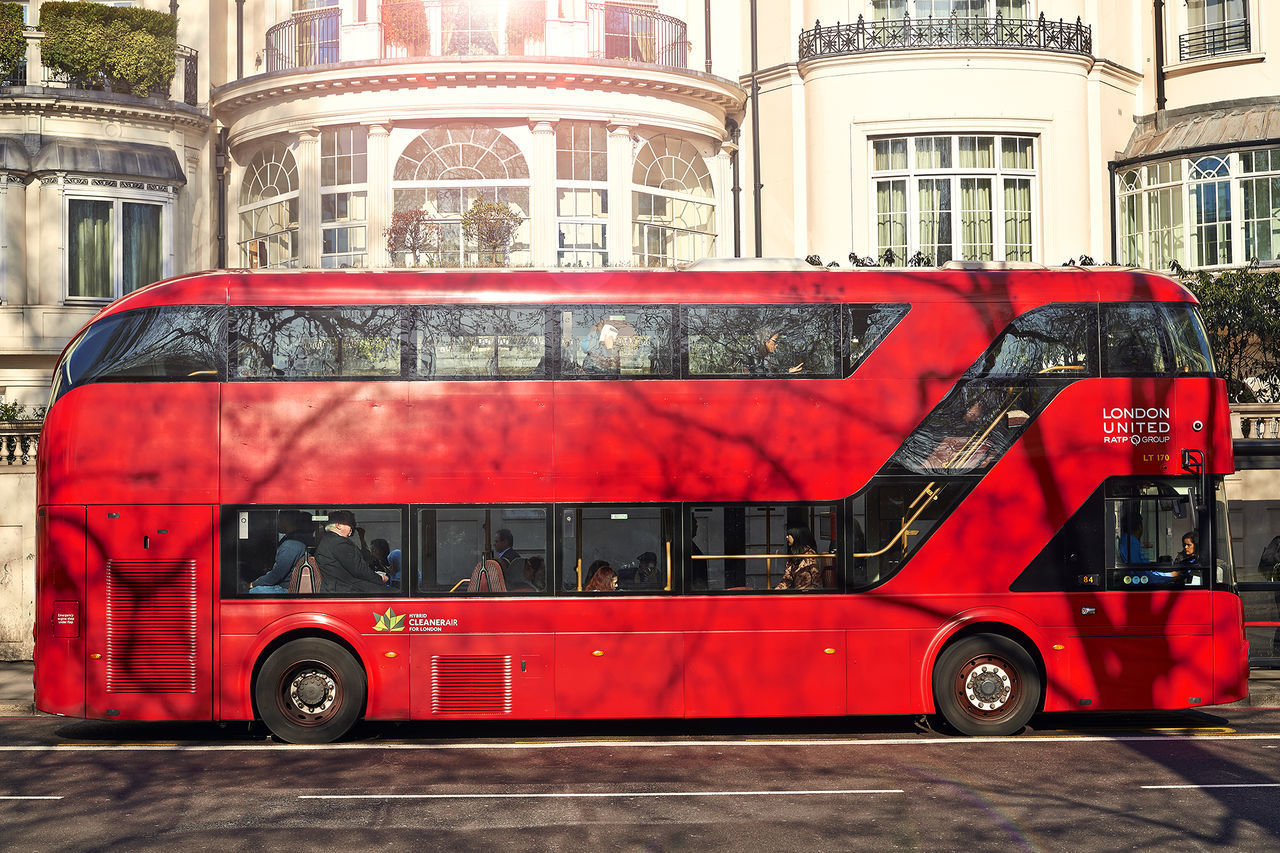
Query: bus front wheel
(310,691)
(986,684)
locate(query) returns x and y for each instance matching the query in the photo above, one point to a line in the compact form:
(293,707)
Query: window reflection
(1056,340)
(466,341)
(762,340)
(865,326)
(629,340)
(315,342)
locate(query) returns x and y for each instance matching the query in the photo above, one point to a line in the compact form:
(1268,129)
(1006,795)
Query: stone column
(542,194)
(721,182)
(620,165)
(378,204)
(309,199)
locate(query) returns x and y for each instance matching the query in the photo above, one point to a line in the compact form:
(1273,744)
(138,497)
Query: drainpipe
(239,39)
(1115,240)
(755,136)
(220,167)
(1159,58)
(706,28)
(732,127)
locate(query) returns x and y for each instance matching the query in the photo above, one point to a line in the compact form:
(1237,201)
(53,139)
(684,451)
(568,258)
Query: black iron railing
(636,34)
(304,39)
(952,32)
(1211,40)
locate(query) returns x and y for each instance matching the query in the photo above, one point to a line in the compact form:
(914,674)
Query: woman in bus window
(802,570)
(601,577)
(769,359)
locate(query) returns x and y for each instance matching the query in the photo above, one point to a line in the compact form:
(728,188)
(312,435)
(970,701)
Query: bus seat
(305,577)
(487,577)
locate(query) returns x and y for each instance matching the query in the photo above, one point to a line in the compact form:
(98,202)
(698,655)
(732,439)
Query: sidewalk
(17,699)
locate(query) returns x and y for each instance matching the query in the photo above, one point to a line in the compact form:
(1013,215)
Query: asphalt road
(1167,782)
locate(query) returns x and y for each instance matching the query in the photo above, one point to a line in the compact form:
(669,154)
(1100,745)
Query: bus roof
(1024,289)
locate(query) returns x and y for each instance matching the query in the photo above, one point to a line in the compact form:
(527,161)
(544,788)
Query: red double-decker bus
(315,497)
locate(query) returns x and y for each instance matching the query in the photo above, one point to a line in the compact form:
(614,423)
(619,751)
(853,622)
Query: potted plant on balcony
(13,42)
(119,48)
(491,226)
(414,235)
(405,24)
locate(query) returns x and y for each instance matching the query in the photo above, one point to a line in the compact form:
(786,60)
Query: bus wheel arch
(309,687)
(988,679)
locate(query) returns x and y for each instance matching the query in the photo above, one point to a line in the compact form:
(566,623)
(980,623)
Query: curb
(17,709)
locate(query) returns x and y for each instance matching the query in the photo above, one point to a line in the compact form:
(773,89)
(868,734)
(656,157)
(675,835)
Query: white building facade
(321,133)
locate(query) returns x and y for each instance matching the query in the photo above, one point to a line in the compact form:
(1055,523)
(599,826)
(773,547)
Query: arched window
(441,175)
(673,204)
(269,209)
(1210,193)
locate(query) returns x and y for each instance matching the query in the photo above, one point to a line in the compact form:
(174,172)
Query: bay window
(114,246)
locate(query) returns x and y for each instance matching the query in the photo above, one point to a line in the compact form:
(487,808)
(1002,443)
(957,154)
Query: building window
(343,197)
(1260,194)
(1214,27)
(1208,211)
(441,175)
(896,10)
(1210,194)
(582,196)
(269,209)
(965,197)
(114,246)
(673,204)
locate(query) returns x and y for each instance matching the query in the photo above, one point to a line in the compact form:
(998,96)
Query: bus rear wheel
(986,684)
(310,691)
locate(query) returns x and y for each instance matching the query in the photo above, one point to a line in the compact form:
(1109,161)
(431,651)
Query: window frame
(903,170)
(118,199)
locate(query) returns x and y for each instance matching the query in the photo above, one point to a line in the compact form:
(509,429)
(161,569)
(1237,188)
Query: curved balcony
(412,29)
(956,31)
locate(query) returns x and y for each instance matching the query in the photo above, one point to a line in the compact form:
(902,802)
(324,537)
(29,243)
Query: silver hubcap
(988,687)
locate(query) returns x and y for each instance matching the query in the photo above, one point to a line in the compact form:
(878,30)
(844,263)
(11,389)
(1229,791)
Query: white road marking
(1239,785)
(824,743)
(14,797)
(579,795)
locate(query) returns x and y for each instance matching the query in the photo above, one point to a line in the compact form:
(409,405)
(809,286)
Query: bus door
(59,675)
(148,625)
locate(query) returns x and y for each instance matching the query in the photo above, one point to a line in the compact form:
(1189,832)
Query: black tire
(986,684)
(310,691)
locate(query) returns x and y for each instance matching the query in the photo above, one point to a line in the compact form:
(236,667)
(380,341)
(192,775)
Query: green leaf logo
(388,621)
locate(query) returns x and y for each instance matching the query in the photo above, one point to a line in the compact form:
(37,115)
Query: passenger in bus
(1129,547)
(803,570)
(343,565)
(532,576)
(601,576)
(602,355)
(295,537)
(504,548)
(385,559)
(769,360)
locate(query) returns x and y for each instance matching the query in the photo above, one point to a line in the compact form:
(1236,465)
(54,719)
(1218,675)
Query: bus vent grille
(151,626)
(471,684)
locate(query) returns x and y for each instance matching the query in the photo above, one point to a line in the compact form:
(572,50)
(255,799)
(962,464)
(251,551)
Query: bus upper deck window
(315,342)
(616,341)
(182,342)
(762,340)
(463,341)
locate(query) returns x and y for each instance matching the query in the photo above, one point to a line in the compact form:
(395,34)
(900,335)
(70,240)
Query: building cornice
(469,72)
(65,103)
